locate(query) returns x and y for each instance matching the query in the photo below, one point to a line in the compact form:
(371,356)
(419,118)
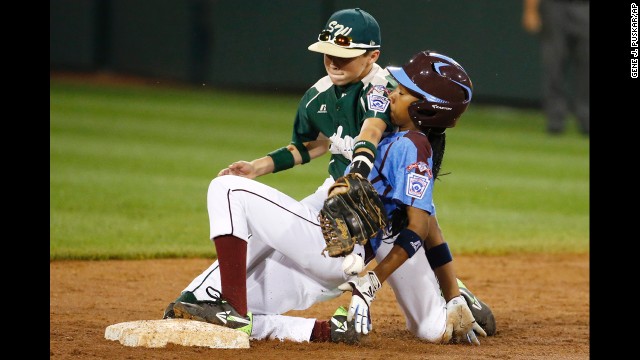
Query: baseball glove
(354,216)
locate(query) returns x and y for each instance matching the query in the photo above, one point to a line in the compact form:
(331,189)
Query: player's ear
(372,56)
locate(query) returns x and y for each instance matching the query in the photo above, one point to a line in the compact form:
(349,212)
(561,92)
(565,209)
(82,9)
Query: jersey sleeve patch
(421,166)
(377,102)
(417,185)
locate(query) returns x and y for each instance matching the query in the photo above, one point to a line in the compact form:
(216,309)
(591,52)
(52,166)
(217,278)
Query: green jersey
(338,112)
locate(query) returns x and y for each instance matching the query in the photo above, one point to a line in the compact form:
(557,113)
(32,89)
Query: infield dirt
(541,304)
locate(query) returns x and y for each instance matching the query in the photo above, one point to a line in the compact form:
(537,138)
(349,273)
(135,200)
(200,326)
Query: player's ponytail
(437,138)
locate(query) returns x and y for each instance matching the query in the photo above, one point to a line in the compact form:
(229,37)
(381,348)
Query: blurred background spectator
(562,27)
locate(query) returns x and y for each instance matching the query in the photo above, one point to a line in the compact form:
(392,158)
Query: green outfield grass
(130,167)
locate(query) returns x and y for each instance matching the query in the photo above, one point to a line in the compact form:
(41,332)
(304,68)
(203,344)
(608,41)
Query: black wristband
(439,255)
(362,164)
(409,241)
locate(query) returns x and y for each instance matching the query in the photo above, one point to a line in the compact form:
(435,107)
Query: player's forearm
(441,260)
(315,148)
(365,146)
(396,257)
(289,156)
(372,130)
(403,249)
(263,166)
(434,233)
(447,279)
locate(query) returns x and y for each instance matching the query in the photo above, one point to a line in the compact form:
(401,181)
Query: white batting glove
(364,291)
(471,336)
(461,325)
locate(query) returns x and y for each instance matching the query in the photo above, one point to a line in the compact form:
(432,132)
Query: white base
(157,333)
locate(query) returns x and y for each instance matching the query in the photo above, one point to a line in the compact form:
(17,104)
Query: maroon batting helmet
(443,86)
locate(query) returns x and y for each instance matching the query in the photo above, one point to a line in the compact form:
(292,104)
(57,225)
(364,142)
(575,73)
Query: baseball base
(157,333)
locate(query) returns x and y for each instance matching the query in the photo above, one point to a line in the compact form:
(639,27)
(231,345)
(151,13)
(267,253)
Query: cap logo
(339,29)
(347,34)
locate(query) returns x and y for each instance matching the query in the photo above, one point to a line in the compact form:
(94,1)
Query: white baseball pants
(285,268)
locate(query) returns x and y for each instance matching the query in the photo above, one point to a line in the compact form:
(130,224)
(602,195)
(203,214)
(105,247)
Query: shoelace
(216,296)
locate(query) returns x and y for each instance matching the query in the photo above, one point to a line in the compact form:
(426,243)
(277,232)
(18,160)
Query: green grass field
(130,167)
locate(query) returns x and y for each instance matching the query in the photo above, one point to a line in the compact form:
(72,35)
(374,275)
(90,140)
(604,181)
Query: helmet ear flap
(413,111)
(420,111)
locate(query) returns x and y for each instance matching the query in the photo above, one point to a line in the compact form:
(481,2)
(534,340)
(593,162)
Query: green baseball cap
(348,33)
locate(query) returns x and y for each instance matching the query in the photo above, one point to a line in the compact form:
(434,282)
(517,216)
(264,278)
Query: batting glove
(461,325)
(364,291)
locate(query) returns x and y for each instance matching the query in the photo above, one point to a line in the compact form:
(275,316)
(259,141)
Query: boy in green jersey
(346,112)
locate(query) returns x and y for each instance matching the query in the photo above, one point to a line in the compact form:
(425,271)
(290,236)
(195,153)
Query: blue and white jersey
(402,176)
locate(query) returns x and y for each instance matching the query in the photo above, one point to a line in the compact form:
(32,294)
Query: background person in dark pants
(563,28)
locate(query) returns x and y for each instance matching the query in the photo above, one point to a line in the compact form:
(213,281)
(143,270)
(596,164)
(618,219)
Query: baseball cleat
(481,311)
(186,296)
(343,330)
(218,312)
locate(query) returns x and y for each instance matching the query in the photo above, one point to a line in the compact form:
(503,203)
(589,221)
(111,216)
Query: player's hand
(471,336)
(240,168)
(461,325)
(364,291)
(338,189)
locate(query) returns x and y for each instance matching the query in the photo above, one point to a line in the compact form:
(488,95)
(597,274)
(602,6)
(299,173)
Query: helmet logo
(438,65)
(441,107)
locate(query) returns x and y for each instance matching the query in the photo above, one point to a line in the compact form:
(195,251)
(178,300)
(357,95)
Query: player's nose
(393,95)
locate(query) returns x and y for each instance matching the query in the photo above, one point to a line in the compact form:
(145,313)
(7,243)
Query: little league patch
(377,102)
(417,185)
(377,98)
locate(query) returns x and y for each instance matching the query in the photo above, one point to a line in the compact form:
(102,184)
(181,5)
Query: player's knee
(428,332)
(218,190)
(221,181)
(221,184)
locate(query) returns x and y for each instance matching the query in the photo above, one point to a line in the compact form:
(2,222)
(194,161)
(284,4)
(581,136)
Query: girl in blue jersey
(281,269)
(433,91)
